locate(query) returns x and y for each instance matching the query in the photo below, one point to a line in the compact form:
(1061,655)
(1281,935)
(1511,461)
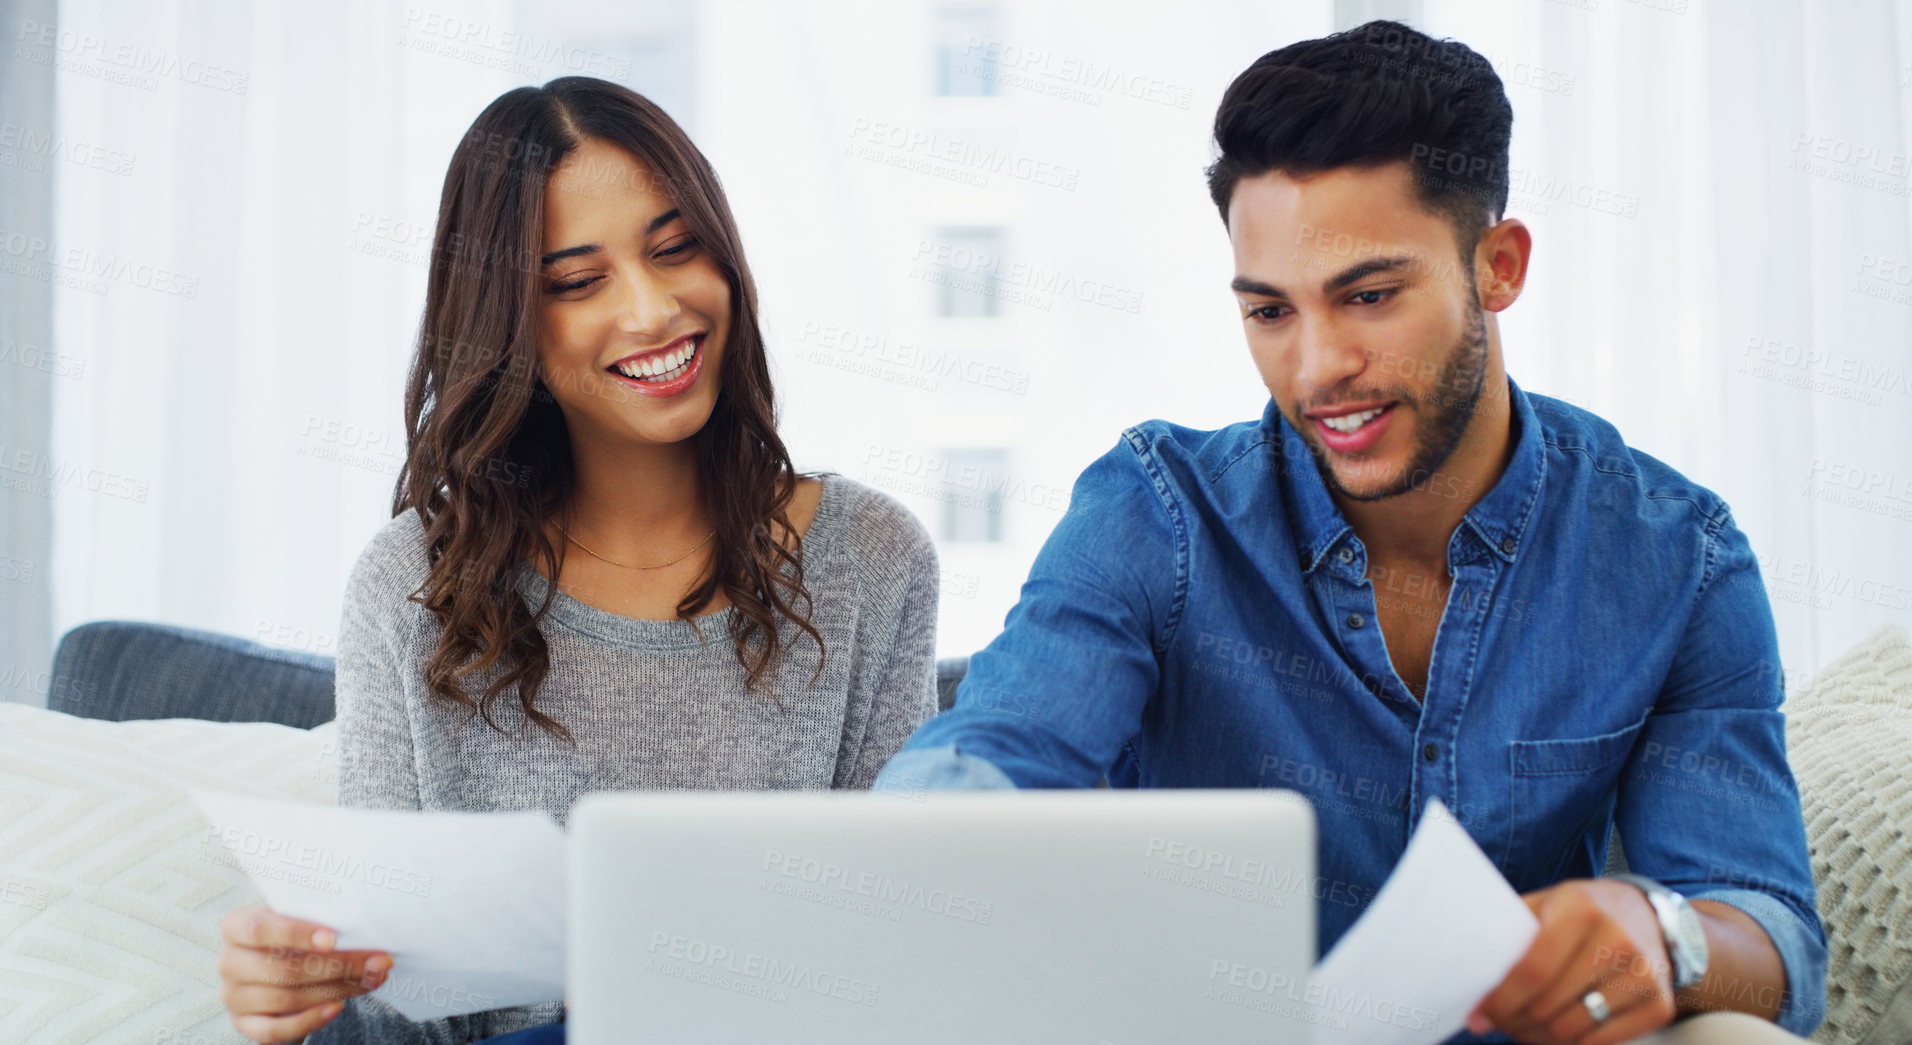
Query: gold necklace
(630,565)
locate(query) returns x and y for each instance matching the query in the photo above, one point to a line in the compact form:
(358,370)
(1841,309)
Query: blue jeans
(551,1035)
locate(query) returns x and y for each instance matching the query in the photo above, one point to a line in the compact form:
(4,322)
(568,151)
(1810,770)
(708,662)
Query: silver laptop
(948,918)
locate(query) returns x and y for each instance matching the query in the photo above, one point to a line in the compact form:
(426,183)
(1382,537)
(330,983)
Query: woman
(604,572)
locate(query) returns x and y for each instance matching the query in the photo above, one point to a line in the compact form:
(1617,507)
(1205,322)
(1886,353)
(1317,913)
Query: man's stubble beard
(1445,418)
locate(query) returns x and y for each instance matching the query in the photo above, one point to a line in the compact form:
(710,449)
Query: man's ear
(1500,263)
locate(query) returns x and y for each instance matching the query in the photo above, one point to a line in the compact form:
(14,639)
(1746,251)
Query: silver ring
(1597,1006)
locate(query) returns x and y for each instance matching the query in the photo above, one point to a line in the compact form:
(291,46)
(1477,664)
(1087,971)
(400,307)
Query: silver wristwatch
(1679,925)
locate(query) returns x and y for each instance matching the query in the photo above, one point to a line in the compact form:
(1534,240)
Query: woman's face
(634,311)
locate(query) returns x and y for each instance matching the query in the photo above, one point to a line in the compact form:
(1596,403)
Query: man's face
(1363,320)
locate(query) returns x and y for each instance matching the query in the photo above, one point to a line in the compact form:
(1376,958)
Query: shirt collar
(1496,522)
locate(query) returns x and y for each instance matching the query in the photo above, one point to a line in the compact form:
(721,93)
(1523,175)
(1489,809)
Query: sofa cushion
(111,891)
(1849,738)
(122,670)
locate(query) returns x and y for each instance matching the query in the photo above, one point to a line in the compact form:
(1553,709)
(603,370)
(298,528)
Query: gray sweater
(651,704)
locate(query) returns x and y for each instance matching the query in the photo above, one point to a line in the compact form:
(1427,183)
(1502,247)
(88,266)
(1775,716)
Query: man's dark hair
(1371,95)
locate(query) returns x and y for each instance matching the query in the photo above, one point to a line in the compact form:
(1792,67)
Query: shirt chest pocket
(1562,797)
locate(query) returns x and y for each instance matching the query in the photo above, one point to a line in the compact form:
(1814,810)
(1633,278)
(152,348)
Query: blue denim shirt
(1202,617)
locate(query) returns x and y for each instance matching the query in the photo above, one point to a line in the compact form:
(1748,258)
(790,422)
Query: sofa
(111,892)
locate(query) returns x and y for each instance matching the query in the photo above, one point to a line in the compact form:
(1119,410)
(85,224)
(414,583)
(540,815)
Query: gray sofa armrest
(949,675)
(121,670)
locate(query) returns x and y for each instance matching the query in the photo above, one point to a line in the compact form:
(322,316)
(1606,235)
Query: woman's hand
(280,978)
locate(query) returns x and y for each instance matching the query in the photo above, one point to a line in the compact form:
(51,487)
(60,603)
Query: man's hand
(1595,934)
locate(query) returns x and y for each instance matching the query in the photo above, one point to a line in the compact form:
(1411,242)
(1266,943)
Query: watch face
(1692,944)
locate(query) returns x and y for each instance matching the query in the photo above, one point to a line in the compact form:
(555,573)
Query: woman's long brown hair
(488,457)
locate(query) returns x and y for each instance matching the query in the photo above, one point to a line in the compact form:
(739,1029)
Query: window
(964,264)
(967,43)
(972,494)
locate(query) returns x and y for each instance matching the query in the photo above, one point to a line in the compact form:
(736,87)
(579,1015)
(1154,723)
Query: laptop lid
(948,918)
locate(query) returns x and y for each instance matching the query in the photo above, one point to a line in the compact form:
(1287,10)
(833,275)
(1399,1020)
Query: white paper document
(469,905)
(1443,931)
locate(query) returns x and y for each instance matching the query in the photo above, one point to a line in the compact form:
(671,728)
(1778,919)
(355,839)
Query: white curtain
(1722,266)
(243,405)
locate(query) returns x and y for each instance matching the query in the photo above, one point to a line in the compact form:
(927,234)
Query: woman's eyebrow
(568,252)
(591,248)
(661,220)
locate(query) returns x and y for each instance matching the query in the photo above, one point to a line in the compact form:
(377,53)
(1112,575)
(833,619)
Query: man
(1412,580)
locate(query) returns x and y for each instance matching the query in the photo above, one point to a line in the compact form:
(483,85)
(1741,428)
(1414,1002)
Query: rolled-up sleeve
(1708,805)
(1801,946)
(942,768)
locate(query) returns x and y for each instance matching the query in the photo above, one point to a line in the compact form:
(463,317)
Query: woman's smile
(663,372)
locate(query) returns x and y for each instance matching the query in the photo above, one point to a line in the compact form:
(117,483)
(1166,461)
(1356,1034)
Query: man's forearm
(1744,971)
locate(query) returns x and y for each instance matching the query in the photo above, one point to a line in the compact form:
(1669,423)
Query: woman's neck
(636,503)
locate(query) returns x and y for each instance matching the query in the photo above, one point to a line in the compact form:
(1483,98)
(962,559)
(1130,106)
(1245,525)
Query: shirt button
(1347,555)
(1507,545)
(1355,620)
(1431,752)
